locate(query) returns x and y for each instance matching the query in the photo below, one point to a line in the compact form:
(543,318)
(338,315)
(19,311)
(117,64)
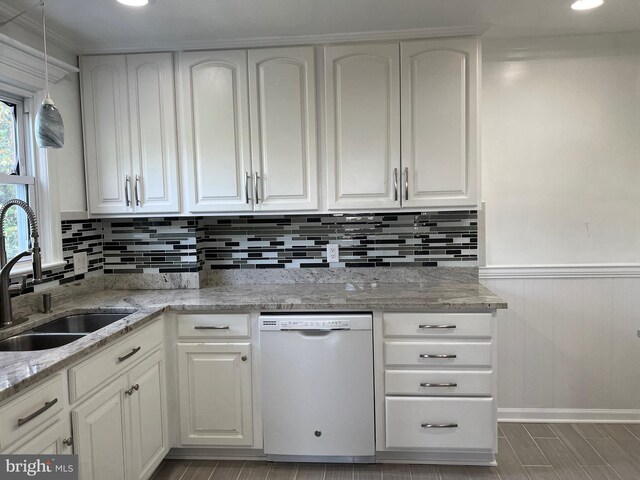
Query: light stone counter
(18,370)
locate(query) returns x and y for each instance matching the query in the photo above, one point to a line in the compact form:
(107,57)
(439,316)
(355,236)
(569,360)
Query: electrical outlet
(80,263)
(333,253)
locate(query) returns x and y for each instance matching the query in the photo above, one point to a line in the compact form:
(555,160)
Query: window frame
(25,162)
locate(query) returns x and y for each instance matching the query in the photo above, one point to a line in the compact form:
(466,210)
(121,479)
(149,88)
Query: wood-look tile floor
(526,452)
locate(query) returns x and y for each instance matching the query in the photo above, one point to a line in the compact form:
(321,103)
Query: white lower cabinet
(437,398)
(121,431)
(215,394)
(54,440)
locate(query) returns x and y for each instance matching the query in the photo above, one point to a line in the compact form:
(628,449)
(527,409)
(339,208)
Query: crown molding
(35,27)
(377,36)
(560,271)
(22,67)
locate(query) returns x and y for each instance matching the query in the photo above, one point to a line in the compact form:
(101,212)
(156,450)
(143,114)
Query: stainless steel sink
(80,323)
(33,341)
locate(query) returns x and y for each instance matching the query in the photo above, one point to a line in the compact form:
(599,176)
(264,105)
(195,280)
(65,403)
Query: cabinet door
(148,418)
(215,394)
(99,434)
(106,133)
(215,129)
(283,128)
(363,125)
(50,441)
(153,133)
(439,122)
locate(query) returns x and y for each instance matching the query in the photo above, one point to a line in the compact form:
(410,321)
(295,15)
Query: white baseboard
(567,415)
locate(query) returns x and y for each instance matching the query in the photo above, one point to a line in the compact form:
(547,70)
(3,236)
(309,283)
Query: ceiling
(104,25)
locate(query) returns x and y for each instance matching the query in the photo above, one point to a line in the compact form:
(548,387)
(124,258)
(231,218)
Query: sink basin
(29,341)
(80,323)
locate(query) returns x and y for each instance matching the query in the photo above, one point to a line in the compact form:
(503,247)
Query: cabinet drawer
(438,324)
(223,325)
(30,410)
(442,423)
(95,371)
(445,354)
(437,383)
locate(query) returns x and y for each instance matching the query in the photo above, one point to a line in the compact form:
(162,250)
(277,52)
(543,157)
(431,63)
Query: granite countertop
(18,370)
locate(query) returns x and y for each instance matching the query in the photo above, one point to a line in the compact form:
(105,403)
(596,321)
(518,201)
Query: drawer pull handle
(437,327)
(438,385)
(47,406)
(211,327)
(446,355)
(130,354)
(439,425)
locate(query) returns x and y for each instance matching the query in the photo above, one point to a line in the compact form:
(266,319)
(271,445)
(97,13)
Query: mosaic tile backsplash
(152,245)
(181,245)
(371,240)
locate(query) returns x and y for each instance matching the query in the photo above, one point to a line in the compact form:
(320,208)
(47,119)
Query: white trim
(630,270)
(16,179)
(34,26)
(568,415)
(22,68)
(299,40)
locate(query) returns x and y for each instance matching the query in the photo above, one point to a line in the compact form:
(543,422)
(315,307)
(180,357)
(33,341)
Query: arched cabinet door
(362,87)
(106,133)
(439,122)
(214,130)
(283,128)
(154,155)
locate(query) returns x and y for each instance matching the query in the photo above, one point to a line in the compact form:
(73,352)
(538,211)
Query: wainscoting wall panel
(568,348)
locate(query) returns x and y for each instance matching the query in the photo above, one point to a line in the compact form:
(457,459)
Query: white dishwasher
(317,387)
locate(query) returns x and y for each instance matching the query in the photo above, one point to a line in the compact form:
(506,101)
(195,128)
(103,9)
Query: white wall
(561,151)
(561,180)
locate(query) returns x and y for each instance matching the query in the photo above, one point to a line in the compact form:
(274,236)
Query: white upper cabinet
(215,130)
(439,122)
(130,136)
(249,129)
(153,133)
(362,85)
(283,128)
(106,133)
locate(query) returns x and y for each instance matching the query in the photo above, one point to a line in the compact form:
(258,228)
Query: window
(14,181)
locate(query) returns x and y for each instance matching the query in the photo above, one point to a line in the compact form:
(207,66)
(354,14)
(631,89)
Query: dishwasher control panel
(269,323)
(281,322)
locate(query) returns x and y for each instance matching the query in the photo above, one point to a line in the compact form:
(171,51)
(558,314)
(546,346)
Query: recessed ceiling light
(583,4)
(134,3)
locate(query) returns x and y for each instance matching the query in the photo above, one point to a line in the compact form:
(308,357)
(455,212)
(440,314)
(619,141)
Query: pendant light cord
(46,63)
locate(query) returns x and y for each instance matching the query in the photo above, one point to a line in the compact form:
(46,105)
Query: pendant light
(49,125)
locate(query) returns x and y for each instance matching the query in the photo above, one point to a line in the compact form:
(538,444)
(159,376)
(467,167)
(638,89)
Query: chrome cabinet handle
(211,327)
(40,411)
(130,354)
(439,425)
(247,177)
(406,183)
(133,388)
(126,190)
(395,184)
(428,327)
(68,441)
(426,355)
(255,186)
(438,385)
(135,191)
